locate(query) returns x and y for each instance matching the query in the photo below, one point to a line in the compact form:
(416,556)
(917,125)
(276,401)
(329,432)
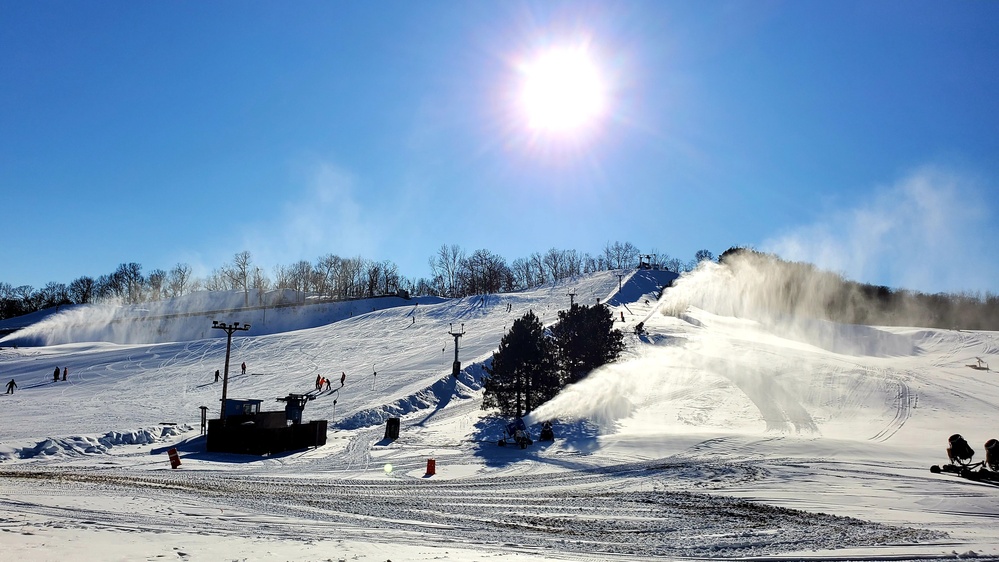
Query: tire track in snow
(905,399)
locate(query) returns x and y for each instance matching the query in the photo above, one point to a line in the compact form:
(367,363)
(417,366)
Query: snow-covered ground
(713,436)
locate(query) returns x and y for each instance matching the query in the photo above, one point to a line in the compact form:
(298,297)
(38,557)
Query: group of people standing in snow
(322,381)
(64,372)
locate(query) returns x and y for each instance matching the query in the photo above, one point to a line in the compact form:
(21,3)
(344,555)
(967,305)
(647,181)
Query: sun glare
(562,91)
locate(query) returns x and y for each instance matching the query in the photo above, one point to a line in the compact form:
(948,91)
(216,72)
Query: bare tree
(239,272)
(573,263)
(300,278)
(179,280)
(523,277)
(537,262)
(554,260)
(156,283)
(352,277)
(373,273)
(81,290)
(445,265)
(130,275)
(390,280)
(327,271)
(673,264)
(218,280)
(260,283)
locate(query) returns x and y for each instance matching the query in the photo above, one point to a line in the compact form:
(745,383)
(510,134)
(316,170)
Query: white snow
(713,436)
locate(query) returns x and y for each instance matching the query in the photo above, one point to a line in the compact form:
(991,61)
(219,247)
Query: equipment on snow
(516,432)
(547,434)
(961,454)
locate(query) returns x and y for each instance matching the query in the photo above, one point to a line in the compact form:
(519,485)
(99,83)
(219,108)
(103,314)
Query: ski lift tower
(229,329)
(572,298)
(456,366)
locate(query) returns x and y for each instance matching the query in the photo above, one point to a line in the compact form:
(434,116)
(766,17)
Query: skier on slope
(11,386)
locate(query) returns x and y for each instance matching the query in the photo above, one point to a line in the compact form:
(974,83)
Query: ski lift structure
(243,428)
(247,430)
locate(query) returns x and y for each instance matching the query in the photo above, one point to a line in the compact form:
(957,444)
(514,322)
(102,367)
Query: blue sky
(862,136)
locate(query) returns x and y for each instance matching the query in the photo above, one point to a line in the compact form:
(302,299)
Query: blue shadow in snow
(579,436)
(194,448)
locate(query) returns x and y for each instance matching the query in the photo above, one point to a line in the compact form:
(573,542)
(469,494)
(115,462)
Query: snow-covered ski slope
(713,436)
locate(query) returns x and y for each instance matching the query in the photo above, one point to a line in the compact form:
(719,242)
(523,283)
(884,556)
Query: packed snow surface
(712,437)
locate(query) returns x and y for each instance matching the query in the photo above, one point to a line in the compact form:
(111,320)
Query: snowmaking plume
(794,300)
(927,232)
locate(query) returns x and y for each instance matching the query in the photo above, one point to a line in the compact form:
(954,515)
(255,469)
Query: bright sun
(562,91)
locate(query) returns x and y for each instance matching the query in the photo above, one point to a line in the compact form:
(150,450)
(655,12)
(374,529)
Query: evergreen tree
(522,374)
(584,339)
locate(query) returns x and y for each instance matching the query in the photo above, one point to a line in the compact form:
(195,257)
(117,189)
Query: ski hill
(712,436)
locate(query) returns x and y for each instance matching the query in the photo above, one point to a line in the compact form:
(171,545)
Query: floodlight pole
(229,329)
(572,297)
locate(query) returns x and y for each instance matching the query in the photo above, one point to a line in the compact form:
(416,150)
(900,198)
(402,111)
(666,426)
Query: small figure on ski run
(328,381)
(322,382)
(11,386)
(244,368)
(319,382)
(216,375)
(55,377)
(343,378)
(65,370)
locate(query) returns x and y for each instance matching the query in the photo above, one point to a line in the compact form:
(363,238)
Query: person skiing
(244,368)
(328,381)
(216,375)
(65,370)
(11,386)
(343,378)
(319,382)
(55,377)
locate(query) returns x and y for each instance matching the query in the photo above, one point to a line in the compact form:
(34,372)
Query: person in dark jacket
(11,386)
(55,377)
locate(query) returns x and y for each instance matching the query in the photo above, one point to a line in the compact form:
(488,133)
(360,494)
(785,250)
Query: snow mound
(54,447)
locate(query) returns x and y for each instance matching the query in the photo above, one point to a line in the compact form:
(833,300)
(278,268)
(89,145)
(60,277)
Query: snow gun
(961,455)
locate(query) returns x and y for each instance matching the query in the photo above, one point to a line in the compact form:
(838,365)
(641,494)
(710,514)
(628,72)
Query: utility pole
(456,366)
(229,329)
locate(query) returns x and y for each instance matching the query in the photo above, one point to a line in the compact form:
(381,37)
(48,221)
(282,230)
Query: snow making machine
(515,433)
(961,455)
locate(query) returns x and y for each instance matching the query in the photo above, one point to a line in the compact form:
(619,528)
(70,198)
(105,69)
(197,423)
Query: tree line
(454,272)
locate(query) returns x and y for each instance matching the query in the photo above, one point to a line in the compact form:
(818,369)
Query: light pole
(229,329)
(456,366)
